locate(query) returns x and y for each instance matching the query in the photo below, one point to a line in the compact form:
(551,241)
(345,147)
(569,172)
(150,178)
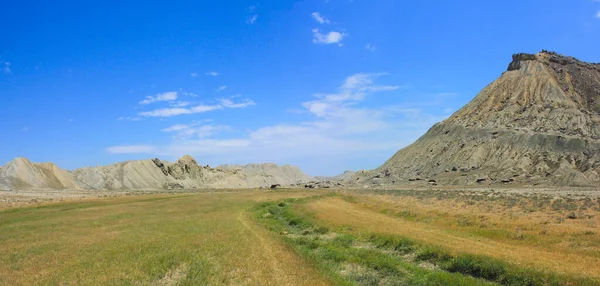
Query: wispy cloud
(184,108)
(339,129)
(320,19)
(179,103)
(329,38)
(195,130)
(370,47)
(212,73)
(252,19)
(228,103)
(6,69)
(166,96)
(598,13)
(128,118)
(221,88)
(174,111)
(194,75)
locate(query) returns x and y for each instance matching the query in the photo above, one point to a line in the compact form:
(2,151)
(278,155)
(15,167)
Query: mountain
(341,177)
(153,174)
(269,174)
(538,123)
(185,173)
(21,173)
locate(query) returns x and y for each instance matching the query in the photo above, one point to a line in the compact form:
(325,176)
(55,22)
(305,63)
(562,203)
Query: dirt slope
(21,173)
(538,123)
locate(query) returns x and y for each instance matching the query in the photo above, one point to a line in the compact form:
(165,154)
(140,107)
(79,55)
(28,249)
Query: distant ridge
(341,177)
(152,174)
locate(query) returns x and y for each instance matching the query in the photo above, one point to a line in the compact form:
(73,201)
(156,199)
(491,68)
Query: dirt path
(283,267)
(338,212)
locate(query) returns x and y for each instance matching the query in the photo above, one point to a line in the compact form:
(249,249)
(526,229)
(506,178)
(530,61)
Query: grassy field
(149,240)
(288,237)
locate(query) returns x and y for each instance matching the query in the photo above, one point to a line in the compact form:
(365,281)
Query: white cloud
(25,128)
(132,149)
(193,75)
(179,103)
(252,19)
(71,120)
(598,13)
(319,18)
(340,132)
(370,48)
(183,108)
(187,131)
(167,96)
(212,73)
(174,111)
(329,38)
(230,104)
(190,94)
(221,88)
(6,69)
(135,118)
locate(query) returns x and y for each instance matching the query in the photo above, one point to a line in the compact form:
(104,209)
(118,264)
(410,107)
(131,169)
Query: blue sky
(324,85)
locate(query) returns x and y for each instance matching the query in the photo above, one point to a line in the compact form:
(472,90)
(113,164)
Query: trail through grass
(368,258)
(197,239)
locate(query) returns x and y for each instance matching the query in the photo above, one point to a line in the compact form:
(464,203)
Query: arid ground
(298,237)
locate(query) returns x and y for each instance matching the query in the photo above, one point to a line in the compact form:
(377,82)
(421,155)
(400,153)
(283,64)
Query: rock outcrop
(185,173)
(539,123)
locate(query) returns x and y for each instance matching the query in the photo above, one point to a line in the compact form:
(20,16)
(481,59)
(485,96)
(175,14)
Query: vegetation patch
(373,259)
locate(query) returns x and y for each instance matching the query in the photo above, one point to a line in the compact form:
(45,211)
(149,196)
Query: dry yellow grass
(436,224)
(172,239)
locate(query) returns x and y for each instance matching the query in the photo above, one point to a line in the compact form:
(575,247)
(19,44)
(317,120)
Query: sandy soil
(17,198)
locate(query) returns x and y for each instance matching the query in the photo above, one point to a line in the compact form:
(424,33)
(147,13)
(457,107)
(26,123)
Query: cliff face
(538,123)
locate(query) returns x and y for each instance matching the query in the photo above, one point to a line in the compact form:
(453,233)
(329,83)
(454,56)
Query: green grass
(372,259)
(346,259)
(197,239)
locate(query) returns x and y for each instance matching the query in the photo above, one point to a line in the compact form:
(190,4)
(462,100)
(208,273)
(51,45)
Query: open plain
(298,237)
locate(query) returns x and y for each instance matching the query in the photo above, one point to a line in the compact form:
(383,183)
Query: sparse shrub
(431,254)
(344,240)
(321,230)
(476,266)
(464,221)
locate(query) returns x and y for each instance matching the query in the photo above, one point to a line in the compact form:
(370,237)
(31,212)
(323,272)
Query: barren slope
(538,123)
(22,173)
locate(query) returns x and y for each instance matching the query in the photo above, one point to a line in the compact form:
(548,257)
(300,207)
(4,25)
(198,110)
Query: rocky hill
(153,174)
(21,173)
(268,174)
(185,173)
(341,177)
(538,123)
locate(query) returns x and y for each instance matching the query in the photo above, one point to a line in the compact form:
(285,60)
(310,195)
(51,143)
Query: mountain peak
(538,122)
